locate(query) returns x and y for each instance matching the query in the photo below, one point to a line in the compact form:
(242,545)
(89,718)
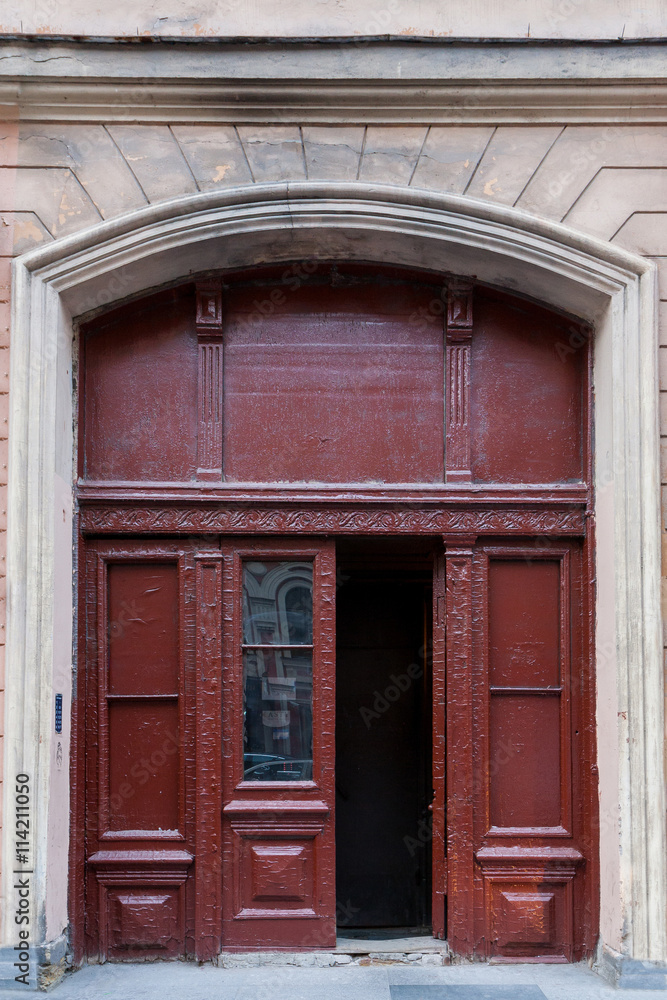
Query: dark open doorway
(383,734)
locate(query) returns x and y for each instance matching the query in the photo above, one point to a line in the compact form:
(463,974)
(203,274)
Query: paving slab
(315,984)
(467,981)
(470,992)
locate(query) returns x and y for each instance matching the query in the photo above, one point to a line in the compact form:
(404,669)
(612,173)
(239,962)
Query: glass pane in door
(278,670)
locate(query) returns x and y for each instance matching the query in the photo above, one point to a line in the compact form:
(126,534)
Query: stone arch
(145,249)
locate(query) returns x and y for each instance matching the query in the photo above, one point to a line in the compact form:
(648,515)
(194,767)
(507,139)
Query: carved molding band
(288,519)
(280,818)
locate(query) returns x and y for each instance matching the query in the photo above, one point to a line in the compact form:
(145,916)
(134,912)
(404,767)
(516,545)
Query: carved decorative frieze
(241,519)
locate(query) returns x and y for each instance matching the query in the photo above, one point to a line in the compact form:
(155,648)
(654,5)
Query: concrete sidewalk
(184,981)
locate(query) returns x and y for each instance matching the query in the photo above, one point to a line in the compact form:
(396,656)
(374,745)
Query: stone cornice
(621,102)
(395,82)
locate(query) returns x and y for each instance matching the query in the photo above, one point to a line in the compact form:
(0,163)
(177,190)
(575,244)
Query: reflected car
(272,767)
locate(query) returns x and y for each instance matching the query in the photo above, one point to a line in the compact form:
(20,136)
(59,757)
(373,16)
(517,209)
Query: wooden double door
(215,763)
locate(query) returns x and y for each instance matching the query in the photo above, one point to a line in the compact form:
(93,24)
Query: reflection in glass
(278,678)
(277,603)
(278,715)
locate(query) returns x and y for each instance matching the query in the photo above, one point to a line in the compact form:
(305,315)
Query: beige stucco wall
(607,179)
(313,18)
(8,151)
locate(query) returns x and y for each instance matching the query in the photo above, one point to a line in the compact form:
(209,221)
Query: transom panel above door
(345,375)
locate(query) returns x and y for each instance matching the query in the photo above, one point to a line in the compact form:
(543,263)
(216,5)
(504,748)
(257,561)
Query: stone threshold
(411,951)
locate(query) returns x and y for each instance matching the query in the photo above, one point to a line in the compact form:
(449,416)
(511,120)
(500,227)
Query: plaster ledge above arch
(285,222)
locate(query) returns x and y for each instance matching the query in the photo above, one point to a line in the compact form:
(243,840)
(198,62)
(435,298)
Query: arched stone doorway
(588,279)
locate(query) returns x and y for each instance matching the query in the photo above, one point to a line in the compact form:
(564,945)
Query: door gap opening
(383,738)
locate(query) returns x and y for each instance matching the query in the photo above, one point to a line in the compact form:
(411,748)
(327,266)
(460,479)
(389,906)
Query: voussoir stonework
(71,176)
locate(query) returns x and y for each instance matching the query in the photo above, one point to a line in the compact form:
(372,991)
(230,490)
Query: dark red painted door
(439,754)
(278,744)
(352,404)
(519,864)
(140,817)
(532,733)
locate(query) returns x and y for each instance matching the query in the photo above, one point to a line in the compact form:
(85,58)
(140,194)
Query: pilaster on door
(458,339)
(208,685)
(458,623)
(209,390)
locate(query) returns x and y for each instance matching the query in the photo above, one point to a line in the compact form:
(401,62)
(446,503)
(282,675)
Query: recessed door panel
(144,765)
(524,740)
(526,393)
(143,619)
(306,367)
(139,404)
(524,623)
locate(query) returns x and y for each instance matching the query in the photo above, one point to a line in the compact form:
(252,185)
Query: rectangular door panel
(312,365)
(527,394)
(144,766)
(524,622)
(524,750)
(143,619)
(527,653)
(139,399)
